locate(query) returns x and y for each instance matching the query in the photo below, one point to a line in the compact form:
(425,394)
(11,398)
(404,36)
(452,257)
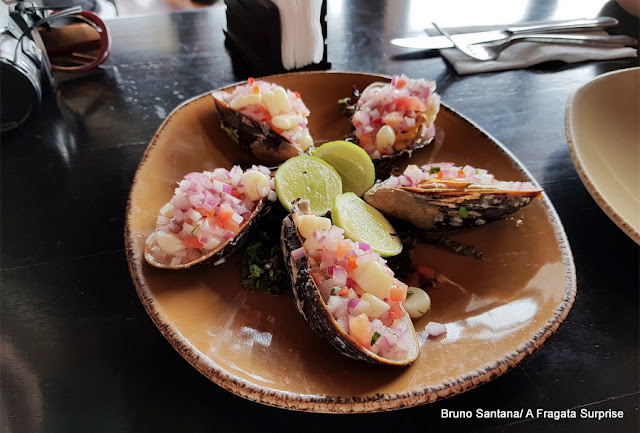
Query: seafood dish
(265,119)
(443,196)
(210,215)
(344,289)
(391,119)
(346,292)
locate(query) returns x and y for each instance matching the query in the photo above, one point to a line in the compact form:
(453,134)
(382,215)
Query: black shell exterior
(438,211)
(269,147)
(310,304)
(233,244)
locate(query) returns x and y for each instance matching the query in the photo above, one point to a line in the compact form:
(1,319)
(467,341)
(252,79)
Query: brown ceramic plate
(497,311)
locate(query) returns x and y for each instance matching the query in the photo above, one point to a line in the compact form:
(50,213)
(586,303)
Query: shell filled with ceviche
(443,196)
(395,118)
(266,119)
(346,292)
(209,216)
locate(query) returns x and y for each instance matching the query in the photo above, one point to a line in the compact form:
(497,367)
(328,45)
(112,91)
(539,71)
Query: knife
(440,42)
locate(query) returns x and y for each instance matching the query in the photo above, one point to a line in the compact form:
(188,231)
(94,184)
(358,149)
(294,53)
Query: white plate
(602,120)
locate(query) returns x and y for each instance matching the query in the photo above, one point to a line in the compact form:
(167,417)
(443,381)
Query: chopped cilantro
(434,170)
(232,133)
(375,337)
(463,213)
(409,293)
(193,232)
(334,289)
(477,171)
(420,311)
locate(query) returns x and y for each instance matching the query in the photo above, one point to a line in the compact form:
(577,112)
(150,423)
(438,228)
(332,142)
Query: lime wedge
(352,164)
(364,223)
(308,177)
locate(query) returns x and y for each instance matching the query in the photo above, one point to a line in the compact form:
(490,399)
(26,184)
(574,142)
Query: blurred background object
(631,6)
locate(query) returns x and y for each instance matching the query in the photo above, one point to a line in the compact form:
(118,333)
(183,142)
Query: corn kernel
(283,100)
(385,137)
(243,101)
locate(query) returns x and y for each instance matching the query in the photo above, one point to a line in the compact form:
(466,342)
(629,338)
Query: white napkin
(302,42)
(524,54)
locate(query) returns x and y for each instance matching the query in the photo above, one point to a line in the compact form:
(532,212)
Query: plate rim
(578,163)
(354,404)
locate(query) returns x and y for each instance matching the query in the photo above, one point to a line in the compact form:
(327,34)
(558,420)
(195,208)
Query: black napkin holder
(253,36)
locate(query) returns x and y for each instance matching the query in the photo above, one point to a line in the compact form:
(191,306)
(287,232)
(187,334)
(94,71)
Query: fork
(491,51)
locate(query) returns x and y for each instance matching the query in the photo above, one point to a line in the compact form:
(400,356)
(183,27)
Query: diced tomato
(344,291)
(460,173)
(297,94)
(398,292)
(202,211)
(231,225)
(425,271)
(410,103)
(251,80)
(393,119)
(440,175)
(213,221)
(256,89)
(317,276)
(386,320)
(236,193)
(225,212)
(396,312)
(192,242)
(351,262)
(377,120)
(401,83)
(360,330)
(343,249)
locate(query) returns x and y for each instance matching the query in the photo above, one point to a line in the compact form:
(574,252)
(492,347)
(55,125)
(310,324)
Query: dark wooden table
(80,354)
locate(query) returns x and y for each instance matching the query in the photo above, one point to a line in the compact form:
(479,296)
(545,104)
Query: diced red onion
(298,253)
(339,276)
(434,329)
(367,257)
(364,246)
(353,302)
(193,215)
(237,218)
(338,306)
(162,220)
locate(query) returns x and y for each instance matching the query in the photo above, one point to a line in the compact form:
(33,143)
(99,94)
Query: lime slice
(308,177)
(352,164)
(364,223)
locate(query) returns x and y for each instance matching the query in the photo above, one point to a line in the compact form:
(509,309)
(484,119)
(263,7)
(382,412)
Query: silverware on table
(440,42)
(492,50)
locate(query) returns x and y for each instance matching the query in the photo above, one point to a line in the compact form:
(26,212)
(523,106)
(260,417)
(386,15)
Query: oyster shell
(223,250)
(441,204)
(377,114)
(207,219)
(311,304)
(273,132)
